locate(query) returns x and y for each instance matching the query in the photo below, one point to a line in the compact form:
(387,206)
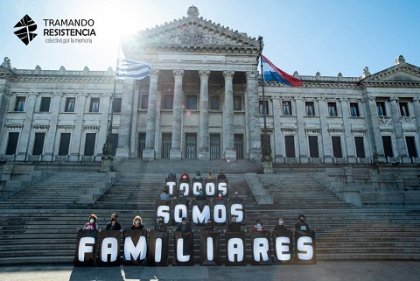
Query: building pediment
(402,73)
(192,34)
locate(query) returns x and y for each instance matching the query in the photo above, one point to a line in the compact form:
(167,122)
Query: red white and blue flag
(273,73)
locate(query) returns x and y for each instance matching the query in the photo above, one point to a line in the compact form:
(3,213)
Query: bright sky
(328,36)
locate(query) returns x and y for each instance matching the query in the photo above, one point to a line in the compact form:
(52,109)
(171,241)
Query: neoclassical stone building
(203,101)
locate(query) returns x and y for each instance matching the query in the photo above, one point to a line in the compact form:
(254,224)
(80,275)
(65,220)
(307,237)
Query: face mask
(91,220)
(281,222)
(259,225)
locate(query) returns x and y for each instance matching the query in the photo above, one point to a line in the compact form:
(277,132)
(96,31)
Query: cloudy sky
(328,36)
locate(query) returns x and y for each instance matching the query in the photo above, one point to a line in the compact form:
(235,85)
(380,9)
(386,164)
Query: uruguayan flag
(130,69)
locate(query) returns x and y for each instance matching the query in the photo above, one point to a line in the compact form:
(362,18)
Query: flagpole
(265,140)
(260,40)
(108,149)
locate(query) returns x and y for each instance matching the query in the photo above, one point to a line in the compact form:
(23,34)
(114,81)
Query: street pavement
(325,271)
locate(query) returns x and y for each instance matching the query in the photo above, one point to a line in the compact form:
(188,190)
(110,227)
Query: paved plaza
(326,271)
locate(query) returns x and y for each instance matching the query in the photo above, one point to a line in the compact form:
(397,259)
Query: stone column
(124,136)
(228,127)
(51,136)
(301,135)
(149,150)
(326,138)
(373,129)
(175,152)
(133,133)
(253,122)
(23,149)
(279,147)
(348,137)
(104,107)
(203,135)
(398,131)
(76,138)
(416,105)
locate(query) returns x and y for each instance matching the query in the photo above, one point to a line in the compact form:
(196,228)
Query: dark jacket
(109,226)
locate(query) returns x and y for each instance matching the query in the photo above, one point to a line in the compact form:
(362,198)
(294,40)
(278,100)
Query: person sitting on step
(113,224)
(280,227)
(171,177)
(164,196)
(160,225)
(185,177)
(198,177)
(233,226)
(301,226)
(91,224)
(221,177)
(184,226)
(137,223)
(258,227)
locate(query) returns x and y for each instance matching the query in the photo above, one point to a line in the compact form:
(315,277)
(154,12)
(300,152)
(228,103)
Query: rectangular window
(94,105)
(332,109)
(38,144)
(168,102)
(45,104)
(404,109)
(360,147)
(289,142)
(313,147)
(336,144)
(239,145)
(20,104)
(116,105)
(144,101)
(310,108)
(214,102)
(287,108)
(70,104)
(263,108)
(237,103)
(90,144)
(12,143)
(387,143)
(380,105)
(411,146)
(354,109)
(63,149)
(191,102)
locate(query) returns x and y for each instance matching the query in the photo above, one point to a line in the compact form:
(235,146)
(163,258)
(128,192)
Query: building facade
(203,101)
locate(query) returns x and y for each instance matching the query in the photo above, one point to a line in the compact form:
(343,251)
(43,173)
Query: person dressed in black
(221,177)
(160,225)
(137,223)
(301,226)
(171,177)
(198,177)
(184,226)
(113,224)
(280,226)
(233,226)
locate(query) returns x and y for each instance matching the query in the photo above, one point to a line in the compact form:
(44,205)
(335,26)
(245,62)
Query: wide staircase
(44,231)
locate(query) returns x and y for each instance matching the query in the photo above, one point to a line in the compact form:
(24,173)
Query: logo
(26,32)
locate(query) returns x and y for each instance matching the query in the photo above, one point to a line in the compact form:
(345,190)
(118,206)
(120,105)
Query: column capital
(298,98)
(228,74)
(178,73)
(204,74)
(416,99)
(394,99)
(343,99)
(154,72)
(251,75)
(371,98)
(57,94)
